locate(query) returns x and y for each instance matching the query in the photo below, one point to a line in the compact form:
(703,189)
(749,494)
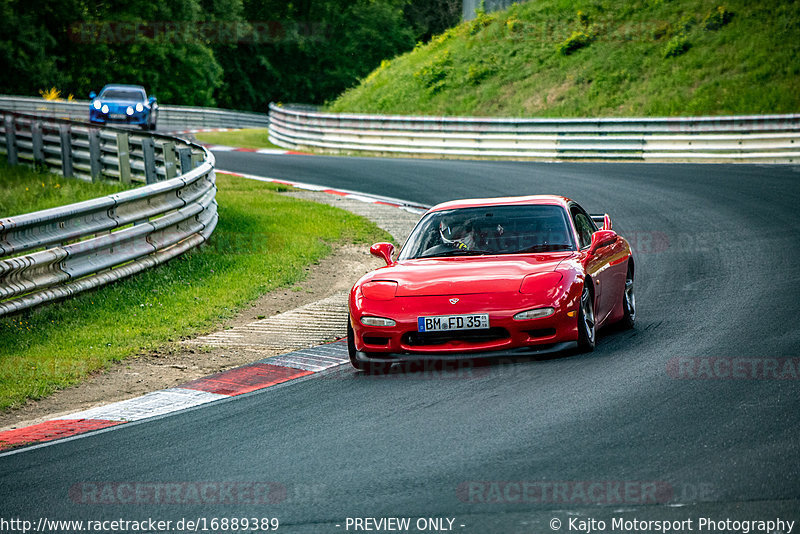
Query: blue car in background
(123,104)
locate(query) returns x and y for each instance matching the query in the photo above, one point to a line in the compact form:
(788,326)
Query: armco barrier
(55,253)
(757,138)
(169,117)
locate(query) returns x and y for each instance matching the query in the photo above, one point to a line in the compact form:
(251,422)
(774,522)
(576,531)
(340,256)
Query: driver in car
(465,236)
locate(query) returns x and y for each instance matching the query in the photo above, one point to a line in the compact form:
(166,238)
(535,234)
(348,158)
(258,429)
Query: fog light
(534,314)
(377,321)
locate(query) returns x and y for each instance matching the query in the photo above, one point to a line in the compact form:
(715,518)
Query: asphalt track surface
(718,275)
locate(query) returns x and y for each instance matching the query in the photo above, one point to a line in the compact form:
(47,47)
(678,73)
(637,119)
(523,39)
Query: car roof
(533,200)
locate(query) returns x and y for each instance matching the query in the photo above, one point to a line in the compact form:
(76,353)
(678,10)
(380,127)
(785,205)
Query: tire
(587,327)
(367,367)
(628,301)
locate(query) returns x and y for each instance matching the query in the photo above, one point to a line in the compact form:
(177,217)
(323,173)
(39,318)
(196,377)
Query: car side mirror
(152,100)
(92,95)
(606,222)
(602,238)
(383,251)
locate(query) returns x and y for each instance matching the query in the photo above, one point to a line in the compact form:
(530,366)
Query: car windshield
(492,230)
(123,94)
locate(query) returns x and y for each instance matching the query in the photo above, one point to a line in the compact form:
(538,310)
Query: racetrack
(718,275)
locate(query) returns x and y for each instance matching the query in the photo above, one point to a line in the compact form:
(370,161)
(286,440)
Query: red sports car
(497,276)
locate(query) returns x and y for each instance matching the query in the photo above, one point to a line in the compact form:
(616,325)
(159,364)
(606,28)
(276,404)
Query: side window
(584,226)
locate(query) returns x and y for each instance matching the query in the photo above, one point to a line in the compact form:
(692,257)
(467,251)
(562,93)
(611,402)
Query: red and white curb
(238,381)
(352,195)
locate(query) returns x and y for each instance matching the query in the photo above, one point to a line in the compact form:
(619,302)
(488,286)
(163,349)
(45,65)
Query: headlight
(534,314)
(104,109)
(129,111)
(139,107)
(377,321)
(97,104)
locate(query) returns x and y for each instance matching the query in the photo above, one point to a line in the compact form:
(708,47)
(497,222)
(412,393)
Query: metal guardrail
(56,253)
(756,138)
(169,117)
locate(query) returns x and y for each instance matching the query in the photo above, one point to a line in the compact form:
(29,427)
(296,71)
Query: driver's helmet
(457,233)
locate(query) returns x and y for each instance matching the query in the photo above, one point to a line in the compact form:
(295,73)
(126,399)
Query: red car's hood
(465,275)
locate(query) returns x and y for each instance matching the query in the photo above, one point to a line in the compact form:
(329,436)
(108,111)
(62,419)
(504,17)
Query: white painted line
(361,198)
(150,405)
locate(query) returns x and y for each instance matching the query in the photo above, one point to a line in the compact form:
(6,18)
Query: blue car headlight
(104,109)
(129,111)
(97,104)
(139,107)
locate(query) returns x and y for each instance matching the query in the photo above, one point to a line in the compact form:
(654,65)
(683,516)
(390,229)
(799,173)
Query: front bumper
(520,352)
(137,119)
(505,336)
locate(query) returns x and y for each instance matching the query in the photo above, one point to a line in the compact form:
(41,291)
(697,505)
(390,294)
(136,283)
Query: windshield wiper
(545,248)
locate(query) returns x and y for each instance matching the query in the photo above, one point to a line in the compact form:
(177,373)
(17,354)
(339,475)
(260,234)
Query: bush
(576,41)
(479,72)
(514,25)
(676,46)
(717,18)
(433,75)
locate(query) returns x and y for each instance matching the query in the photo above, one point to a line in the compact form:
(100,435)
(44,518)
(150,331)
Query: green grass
(561,58)
(23,190)
(248,138)
(263,241)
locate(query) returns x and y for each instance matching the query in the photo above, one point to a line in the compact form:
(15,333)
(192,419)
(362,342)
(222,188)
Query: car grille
(541,332)
(373,340)
(417,339)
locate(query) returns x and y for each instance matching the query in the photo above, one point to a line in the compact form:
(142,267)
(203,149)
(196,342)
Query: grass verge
(23,190)
(263,241)
(247,138)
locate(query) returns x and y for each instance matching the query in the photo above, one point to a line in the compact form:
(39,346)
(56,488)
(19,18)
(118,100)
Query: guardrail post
(197,160)
(66,150)
(149,154)
(170,169)
(11,140)
(124,157)
(185,156)
(94,153)
(38,144)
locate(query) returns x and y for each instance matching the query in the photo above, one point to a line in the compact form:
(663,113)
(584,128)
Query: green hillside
(566,58)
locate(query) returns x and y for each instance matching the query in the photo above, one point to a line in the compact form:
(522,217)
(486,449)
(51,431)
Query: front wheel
(586,325)
(367,367)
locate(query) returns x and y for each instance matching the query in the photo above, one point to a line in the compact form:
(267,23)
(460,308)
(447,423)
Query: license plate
(442,323)
(116,116)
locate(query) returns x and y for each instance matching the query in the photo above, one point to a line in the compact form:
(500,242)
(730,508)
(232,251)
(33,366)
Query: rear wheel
(367,367)
(586,324)
(628,301)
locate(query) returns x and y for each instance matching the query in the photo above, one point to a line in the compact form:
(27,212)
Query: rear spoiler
(600,220)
